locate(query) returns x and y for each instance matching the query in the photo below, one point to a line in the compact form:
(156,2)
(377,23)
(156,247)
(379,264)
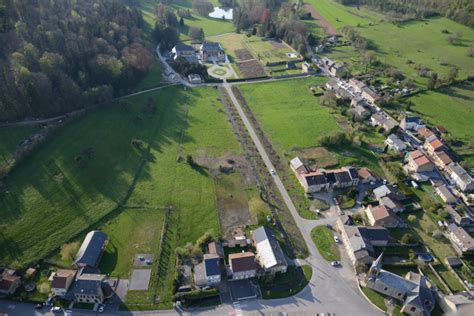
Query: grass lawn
(428,46)
(152,79)
(323,238)
(339,15)
(288,113)
(375,298)
(451,107)
(287,284)
(132,232)
(56,200)
(10,137)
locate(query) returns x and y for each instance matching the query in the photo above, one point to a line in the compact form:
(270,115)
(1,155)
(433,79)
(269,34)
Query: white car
(101,309)
(273,172)
(56,309)
(335,263)
(336,239)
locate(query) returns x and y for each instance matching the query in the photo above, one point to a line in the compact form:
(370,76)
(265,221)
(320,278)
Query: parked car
(56,309)
(426,257)
(101,308)
(335,263)
(39,306)
(336,239)
(273,172)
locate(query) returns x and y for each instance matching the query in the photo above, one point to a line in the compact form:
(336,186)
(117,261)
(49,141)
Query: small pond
(219,12)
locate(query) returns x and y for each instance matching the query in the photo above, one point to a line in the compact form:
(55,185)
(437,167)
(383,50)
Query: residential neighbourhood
(237,158)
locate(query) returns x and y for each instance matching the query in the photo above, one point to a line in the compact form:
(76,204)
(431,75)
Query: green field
(54,198)
(340,15)
(453,108)
(210,26)
(288,113)
(423,43)
(10,138)
(323,238)
(132,232)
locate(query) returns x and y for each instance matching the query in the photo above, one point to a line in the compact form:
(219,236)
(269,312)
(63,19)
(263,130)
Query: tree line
(461,11)
(60,55)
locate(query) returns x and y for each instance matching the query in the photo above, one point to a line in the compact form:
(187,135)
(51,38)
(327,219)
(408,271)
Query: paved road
(330,289)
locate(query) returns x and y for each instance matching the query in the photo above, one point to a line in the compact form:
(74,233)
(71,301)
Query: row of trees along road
(60,55)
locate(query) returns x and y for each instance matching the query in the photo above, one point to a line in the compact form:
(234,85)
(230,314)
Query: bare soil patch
(342,122)
(277,45)
(329,29)
(251,69)
(243,54)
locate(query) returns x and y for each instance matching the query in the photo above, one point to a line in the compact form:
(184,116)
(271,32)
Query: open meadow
(289,114)
(68,187)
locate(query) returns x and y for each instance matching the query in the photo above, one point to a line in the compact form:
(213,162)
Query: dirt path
(329,29)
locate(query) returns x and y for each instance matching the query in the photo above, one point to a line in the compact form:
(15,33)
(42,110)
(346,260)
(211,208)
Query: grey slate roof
(91,249)
(316,179)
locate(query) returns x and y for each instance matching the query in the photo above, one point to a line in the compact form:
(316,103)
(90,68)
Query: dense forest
(461,11)
(61,55)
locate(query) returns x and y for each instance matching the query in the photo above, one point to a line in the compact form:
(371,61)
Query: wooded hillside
(60,55)
(461,11)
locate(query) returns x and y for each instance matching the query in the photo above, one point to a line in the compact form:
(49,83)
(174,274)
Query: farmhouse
(384,120)
(392,204)
(414,290)
(208,272)
(61,280)
(395,143)
(445,195)
(361,112)
(418,162)
(434,145)
(91,250)
(243,265)
(461,177)
(357,85)
(460,239)
(441,159)
(370,95)
(360,241)
(269,253)
(306,67)
(381,216)
(366,176)
(425,132)
(459,217)
(184,51)
(90,288)
(412,123)
(9,282)
(212,52)
(388,191)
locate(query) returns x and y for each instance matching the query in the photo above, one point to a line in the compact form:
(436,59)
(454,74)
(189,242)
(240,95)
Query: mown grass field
(288,113)
(54,199)
(132,232)
(453,108)
(340,15)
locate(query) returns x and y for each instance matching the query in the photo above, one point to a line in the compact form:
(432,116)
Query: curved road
(330,289)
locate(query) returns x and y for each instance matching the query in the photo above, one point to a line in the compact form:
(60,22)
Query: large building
(460,239)
(269,253)
(414,290)
(185,51)
(419,162)
(61,280)
(360,241)
(322,179)
(212,52)
(243,265)
(461,177)
(208,272)
(91,250)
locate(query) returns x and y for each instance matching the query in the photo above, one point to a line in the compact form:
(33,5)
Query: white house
(395,143)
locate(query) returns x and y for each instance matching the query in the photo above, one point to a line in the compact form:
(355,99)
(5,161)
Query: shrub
(407,239)
(411,218)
